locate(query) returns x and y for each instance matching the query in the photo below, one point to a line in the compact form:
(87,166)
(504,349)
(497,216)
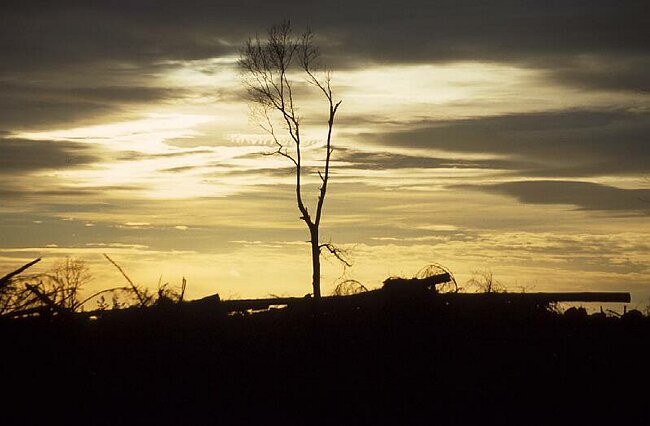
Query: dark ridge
(404,360)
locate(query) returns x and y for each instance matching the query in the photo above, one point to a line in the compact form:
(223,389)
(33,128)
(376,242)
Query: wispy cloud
(511,136)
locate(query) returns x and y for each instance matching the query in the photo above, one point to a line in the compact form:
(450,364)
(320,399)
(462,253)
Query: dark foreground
(399,362)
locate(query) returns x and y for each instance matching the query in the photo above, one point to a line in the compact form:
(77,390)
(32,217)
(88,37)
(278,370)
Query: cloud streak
(584,195)
(555,143)
(21,155)
(509,134)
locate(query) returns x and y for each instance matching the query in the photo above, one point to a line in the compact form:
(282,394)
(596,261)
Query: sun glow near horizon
(191,173)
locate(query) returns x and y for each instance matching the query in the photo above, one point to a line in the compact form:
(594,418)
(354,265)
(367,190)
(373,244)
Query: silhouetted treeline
(399,362)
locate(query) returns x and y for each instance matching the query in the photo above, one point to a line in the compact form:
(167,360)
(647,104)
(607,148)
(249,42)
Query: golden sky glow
(472,162)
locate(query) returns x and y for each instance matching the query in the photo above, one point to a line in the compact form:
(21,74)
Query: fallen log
(371,296)
(428,283)
(583,297)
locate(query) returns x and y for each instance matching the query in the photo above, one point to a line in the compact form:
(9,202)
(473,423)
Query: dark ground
(407,362)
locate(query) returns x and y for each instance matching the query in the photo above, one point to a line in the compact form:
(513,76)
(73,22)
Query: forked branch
(342,255)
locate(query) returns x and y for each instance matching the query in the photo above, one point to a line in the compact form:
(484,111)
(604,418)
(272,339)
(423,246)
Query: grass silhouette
(370,357)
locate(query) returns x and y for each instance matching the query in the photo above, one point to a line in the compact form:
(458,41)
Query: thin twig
(183,285)
(133,286)
(339,253)
(101,292)
(5,280)
(45,299)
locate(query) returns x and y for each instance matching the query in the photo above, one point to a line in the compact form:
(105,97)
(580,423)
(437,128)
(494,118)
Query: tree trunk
(315,261)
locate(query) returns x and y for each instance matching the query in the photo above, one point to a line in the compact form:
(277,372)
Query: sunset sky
(504,136)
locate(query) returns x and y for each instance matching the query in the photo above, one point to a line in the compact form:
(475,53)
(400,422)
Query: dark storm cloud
(69,33)
(563,143)
(387,160)
(135,155)
(124,94)
(609,73)
(65,60)
(34,104)
(18,156)
(37,113)
(21,191)
(113,94)
(77,36)
(147,30)
(584,195)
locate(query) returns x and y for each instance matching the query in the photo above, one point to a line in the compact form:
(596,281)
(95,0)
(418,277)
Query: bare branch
(108,290)
(271,130)
(342,255)
(46,300)
(139,294)
(7,278)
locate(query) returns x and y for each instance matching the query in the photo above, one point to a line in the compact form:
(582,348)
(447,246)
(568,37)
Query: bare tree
(268,64)
(56,291)
(65,282)
(484,282)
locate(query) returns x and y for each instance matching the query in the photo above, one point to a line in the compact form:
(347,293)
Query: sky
(510,137)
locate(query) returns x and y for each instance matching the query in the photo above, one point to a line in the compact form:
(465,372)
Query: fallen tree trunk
(602,297)
(361,298)
(428,283)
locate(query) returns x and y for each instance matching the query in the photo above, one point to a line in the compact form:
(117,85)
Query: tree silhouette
(55,291)
(267,65)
